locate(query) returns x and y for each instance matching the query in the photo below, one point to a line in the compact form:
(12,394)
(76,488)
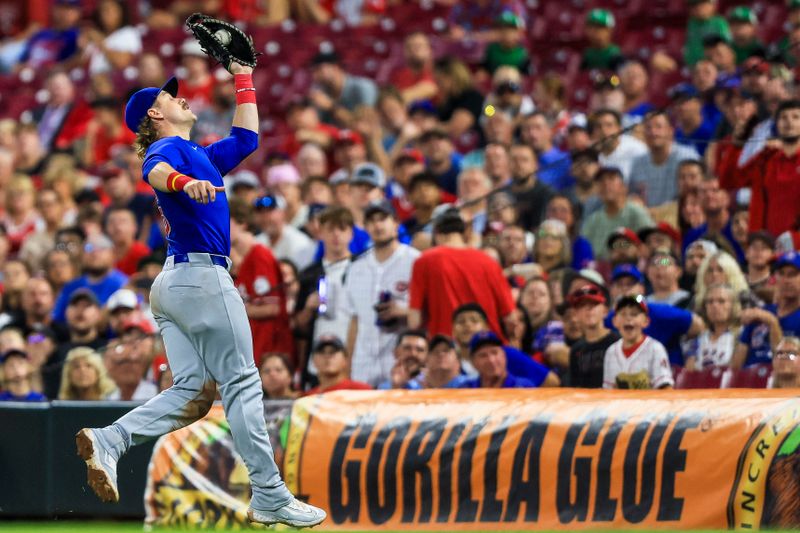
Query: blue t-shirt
(667,325)
(522,365)
(511,382)
(196,227)
(698,138)
(51,45)
(554,168)
(448,181)
(582,253)
(756,336)
(107,286)
(30,397)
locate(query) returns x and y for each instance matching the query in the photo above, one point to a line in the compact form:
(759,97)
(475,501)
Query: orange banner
(548,459)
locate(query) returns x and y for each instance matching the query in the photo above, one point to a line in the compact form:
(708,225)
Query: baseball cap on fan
(143,99)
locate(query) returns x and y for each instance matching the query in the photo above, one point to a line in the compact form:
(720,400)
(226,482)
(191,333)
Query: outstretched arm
(246,115)
(166,179)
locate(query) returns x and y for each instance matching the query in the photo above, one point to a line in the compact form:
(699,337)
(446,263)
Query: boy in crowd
(586,357)
(333,367)
(636,361)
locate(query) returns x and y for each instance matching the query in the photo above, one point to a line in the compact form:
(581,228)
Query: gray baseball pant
(207,336)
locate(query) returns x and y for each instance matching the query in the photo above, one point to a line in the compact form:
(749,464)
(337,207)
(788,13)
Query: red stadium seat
(751,377)
(707,378)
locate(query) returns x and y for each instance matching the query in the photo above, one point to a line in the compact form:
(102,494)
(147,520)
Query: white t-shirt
(623,155)
(715,352)
(125,39)
(335,320)
(373,354)
(144,391)
(647,367)
(293,245)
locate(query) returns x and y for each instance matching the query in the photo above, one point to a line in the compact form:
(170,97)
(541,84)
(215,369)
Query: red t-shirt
(104,144)
(128,263)
(444,278)
(347,384)
(259,282)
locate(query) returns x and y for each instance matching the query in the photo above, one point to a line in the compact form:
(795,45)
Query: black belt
(216,259)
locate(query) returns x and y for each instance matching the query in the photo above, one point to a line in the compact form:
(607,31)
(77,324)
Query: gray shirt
(658,184)
(599,226)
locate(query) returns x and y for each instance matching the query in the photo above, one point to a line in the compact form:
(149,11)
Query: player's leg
(187,400)
(228,352)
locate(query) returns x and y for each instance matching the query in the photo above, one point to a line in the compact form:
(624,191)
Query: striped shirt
(658,184)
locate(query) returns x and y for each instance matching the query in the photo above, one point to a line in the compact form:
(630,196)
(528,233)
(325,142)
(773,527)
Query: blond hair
(146,135)
(733,274)
(102,388)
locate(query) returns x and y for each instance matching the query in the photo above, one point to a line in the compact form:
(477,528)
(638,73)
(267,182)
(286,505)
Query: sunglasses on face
(662,262)
(621,244)
(786,354)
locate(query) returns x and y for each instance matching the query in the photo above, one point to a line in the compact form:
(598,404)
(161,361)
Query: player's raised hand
(236,68)
(202,191)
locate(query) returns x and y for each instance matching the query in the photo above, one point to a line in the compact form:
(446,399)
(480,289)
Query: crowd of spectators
(462,225)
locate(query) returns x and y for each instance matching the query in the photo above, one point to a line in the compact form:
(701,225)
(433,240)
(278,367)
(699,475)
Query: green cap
(601,17)
(793,4)
(742,14)
(509,19)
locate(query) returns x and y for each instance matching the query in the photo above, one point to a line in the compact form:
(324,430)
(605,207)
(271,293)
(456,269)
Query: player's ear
(154,113)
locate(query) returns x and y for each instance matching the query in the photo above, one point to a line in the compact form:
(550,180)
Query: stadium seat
(751,377)
(707,378)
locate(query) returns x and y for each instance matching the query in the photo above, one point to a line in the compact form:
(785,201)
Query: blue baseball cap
(787,259)
(143,99)
(483,338)
(620,271)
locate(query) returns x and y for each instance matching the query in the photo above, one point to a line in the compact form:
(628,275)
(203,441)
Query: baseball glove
(222,41)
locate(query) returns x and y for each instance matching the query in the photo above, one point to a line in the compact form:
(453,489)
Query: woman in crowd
(716,269)
(460,105)
(721,310)
(552,249)
(562,208)
(84,376)
(536,304)
(276,377)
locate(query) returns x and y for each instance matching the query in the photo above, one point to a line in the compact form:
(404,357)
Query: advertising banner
(519,459)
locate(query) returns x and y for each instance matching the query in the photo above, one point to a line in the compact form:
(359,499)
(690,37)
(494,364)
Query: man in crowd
(42,241)
(99,275)
(531,194)
(451,274)
(624,247)
(442,367)
(121,229)
(654,174)
(410,352)
(83,316)
(377,296)
(37,310)
(333,367)
(120,187)
(127,358)
(616,149)
(336,93)
(786,364)
(17,373)
(617,211)
(442,160)
(759,254)
(489,360)
(122,307)
(553,168)
(664,272)
(718,226)
(415,79)
(321,299)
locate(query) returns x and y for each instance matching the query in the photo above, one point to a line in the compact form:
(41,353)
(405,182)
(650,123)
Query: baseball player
(199,311)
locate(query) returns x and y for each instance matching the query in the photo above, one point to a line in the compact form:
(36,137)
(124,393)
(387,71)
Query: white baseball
(224,36)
